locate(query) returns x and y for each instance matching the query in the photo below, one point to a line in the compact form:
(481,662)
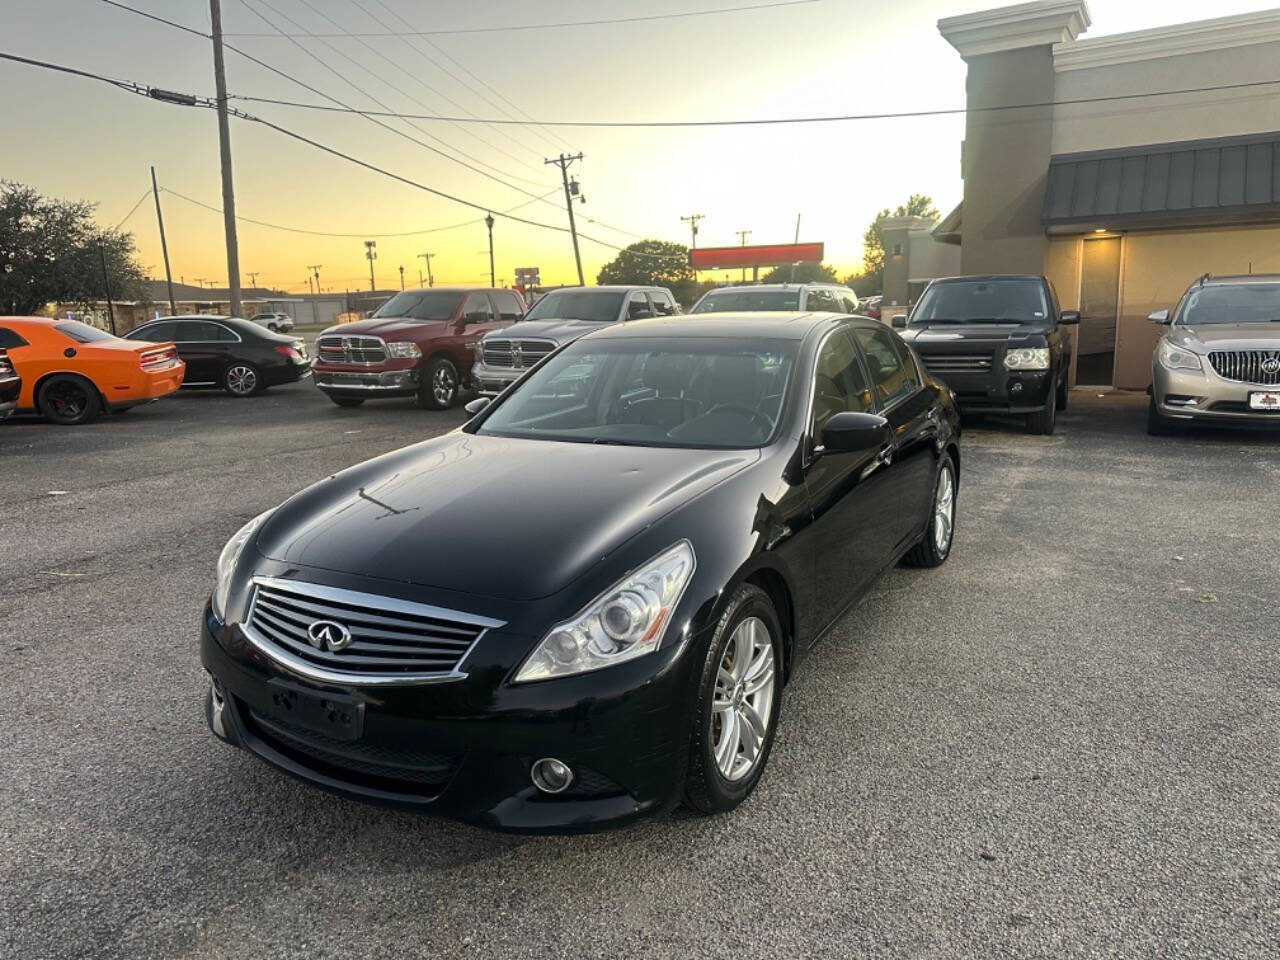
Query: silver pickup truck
(563,315)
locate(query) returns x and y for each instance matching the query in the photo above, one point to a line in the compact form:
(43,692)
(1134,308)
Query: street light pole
(371,251)
(402,276)
(488,222)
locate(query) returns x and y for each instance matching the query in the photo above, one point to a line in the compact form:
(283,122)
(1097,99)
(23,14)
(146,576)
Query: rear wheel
(347,401)
(739,697)
(273,327)
(241,379)
(1157,424)
(1043,421)
(940,526)
(69,400)
(439,387)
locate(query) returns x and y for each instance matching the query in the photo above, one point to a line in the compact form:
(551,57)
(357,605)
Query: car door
(911,412)
(199,350)
(851,493)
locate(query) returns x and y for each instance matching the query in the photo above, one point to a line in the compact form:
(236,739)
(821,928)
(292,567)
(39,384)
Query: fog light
(550,775)
(1016,387)
(218,705)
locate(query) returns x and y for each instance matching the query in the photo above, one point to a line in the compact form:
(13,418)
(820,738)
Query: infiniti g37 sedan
(583,606)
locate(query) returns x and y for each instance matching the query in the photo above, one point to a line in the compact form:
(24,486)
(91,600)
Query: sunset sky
(74,138)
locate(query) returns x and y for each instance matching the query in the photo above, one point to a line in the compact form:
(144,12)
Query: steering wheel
(751,413)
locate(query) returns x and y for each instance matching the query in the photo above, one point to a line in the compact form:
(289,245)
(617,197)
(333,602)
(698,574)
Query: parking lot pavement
(1063,743)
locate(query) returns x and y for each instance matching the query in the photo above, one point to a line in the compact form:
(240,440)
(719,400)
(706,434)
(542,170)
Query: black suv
(998,342)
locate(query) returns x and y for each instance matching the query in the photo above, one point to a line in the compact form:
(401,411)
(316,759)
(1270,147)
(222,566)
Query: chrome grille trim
(355,349)
(1245,366)
(394,642)
(501,351)
(957,362)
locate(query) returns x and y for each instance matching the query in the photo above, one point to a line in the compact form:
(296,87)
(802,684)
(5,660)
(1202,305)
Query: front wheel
(241,380)
(1157,424)
(739,698)
(274,328)
(69,400)
(940,525)
(439,387)
(1043,421)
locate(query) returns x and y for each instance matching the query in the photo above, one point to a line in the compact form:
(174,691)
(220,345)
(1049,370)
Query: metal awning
(1193,182)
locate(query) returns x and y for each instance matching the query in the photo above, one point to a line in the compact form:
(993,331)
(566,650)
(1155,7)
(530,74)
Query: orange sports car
(71,371)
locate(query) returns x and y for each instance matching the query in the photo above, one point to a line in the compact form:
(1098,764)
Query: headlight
(1027,358)
(227,562)
(402,349)
(1175,358)
(624,622)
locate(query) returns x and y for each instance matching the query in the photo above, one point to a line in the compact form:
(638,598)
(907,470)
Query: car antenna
(1203,278)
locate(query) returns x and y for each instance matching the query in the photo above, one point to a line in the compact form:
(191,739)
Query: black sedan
(228,352)
(582,606)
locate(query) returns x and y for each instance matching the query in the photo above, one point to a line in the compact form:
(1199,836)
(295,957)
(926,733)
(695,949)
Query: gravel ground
(1061,744)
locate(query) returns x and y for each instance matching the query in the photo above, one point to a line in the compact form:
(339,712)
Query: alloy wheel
(444,385)
(68,399)
(944,511)
(242,380)
(742,704)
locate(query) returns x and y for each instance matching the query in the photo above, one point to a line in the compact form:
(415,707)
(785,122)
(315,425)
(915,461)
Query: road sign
(527,277)
(767,255)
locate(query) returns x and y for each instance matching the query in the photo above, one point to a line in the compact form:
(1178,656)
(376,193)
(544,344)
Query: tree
(654,263)
(51,252)
(917,205)
(804,273)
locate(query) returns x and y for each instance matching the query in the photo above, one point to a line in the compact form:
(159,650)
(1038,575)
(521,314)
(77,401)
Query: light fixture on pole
(371,252)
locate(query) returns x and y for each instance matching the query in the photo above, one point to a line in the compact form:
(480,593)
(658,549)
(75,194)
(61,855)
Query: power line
(569,23)
(134,209)
(832,118)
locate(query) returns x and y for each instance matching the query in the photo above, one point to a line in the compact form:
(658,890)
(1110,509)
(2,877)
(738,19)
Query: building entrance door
(1099,307)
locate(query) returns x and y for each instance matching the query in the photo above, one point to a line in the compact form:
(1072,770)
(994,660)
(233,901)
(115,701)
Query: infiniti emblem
(325,634)
(1271,365)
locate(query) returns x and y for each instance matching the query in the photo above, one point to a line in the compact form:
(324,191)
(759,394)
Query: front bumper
(463,748)
(999,390)
(491,381)
(1188,396)
(402,382)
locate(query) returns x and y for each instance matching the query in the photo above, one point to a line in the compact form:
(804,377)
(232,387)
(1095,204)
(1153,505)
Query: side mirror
(848,431)
(899,321)
(1160,316)
(477,317)
(477,405)
(641,315)
(1069,317)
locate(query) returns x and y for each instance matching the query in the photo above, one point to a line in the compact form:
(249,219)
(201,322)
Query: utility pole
(314,268)
(253,278)
(419,278)
(797,240)
(742,235)
(563,162)
(164,247)
(692,220)
(371,252)
(488,222)
(402,276)
(310,287)
(427,257)
(198,281)
(106,283)
(224,146)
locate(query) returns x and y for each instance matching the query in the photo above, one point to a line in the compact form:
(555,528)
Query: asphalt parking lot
(1063,743)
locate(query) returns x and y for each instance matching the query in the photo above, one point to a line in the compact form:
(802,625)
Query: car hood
(504,518)
(389,328)
(1227,336)
(942,336)
(561,331)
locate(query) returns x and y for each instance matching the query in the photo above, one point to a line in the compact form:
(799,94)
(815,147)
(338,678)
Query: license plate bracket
(332,715)
(1265,400)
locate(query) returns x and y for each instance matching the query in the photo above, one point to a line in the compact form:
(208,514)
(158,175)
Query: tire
(1061,396)
(1042,421)
(707,788)
(69,400)
(347,401)
(934,548)
(274,328)
(242,379)
(1157,424)
(440,384)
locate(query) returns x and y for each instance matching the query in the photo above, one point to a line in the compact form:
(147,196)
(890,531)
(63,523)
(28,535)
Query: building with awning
(1122,167)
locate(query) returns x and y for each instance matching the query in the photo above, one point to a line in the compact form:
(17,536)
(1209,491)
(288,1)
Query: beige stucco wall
(1155,268)
(1168,119)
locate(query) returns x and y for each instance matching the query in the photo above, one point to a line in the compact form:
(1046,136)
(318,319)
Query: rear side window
(820,299)
(638,307)
(82,332)
(508,306)
(892,369)
(663,305)
(218,333)
(9,338)
(153,333)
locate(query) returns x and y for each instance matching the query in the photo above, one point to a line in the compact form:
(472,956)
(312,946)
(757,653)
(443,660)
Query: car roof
(608,288)
(779,286)
(983,277)
(780,325)
(1237,278)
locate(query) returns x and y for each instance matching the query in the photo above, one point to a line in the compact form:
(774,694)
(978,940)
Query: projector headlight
(227,562)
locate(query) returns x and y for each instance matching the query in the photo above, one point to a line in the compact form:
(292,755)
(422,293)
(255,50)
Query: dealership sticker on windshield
(1268,400)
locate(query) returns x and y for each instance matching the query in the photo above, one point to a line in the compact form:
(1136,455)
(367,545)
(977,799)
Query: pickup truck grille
(957,363)
(386,638)
(368,351)
(514,353)
(1247,366)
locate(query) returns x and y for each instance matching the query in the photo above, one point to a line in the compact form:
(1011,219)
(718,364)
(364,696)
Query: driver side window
(477,309)
(839,384)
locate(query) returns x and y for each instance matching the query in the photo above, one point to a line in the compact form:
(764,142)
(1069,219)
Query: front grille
(1247,366)
(514,353)
(352,349)
(391,640)
(378,766)
(957,362)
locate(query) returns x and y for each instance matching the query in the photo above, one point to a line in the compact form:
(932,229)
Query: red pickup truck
(418,344)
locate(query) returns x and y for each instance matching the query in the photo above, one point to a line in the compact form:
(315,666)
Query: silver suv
(560,317)
(815,297)
(1220,360)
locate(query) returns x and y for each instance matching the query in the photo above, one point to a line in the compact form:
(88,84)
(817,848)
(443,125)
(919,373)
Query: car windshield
(747,301)
(421,305)
(659,393)
(82,332)
(597,306)
(982,301)
(1234,303)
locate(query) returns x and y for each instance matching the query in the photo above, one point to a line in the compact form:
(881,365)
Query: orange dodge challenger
(71,371)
